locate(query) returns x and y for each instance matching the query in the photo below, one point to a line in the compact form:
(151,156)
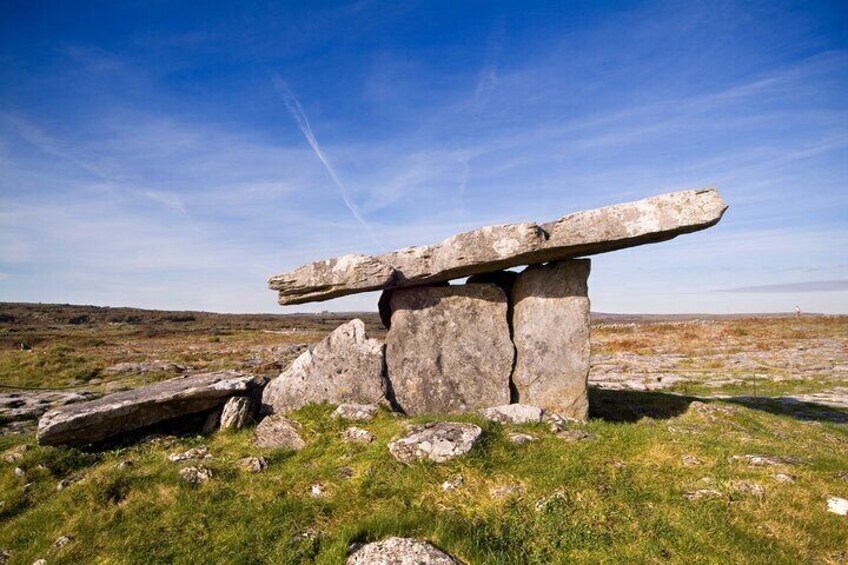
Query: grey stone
(345,367)
(513,414)
(438,442)
(195,475)
(550,325)
(62,541)
(253,464)
(30,405)
(276,432)
(199,452)
(494,248)
(237,413)
(115,414)
(449,349)
(400,551)
(357,435)
(144,367)
(521,439)
(361,412)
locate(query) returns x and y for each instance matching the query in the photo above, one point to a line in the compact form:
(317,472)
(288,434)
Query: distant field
(677,404)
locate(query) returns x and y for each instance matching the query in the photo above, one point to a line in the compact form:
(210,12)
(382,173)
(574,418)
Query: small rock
(702,494)
(843,475)
(557,423)
(575,435)
(199,452)
(691,461)
(195,475)
(783,478)
(748,487)
(452,484)
(39,562)
(125,464)
(63,484)
(361,412)
(358,435)
(316,491)
(19,472)
(763,460)
(4,556)
(277,432)
(253,464)
(399,551)
(513,414)
(837,505)
(505,491)
(439,442)
(62,541)
(15,454)
(521,439)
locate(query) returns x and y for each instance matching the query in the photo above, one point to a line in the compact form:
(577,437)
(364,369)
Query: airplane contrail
(299,116)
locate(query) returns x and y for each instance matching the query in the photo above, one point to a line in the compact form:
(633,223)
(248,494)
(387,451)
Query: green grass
(618,498)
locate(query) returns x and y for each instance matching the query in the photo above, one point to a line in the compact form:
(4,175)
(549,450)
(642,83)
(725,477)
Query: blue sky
(177,154)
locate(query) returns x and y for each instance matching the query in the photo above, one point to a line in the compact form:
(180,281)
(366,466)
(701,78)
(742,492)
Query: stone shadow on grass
(633,405)
(792,407)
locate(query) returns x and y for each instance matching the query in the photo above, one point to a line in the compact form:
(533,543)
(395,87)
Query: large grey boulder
(550,325)
(448,348)
(400,551)
(346,367)
(493,248)
(115,414)
(437,442)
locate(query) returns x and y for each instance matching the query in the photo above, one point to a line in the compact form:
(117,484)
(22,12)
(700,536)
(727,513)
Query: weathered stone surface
(276,432)
(115,414)
(400,551)
(439,442)
(344,368)
(357,435)
(550,326)
(493,248)
(363,412)
(238,412)
(513,414)
(30,405)
(253,464)
(449,349)
(195,475)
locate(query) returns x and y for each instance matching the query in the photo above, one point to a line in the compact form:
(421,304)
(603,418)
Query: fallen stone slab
(550,323)
(448,349)
(277,432)
(346,367)
(513,414)
(438,442)
(400,551)
(115,414)
(494,248)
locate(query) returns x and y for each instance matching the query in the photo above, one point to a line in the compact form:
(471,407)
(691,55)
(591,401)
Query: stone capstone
(346,367)
(550,326)
(494,248)
(438,442)
(277,432)
(449,349)
(97,420)
(400,551)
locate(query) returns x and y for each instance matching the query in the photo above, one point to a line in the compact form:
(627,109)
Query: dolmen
(496,339)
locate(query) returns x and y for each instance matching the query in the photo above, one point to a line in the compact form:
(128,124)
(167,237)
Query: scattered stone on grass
(438,442)
(145,367)
(356,412)
(62,541)
(4,556)
(64,483)
(452,484)
(18,472)
(505,491)
(837,505)
(126,463)
(747,487)
(39,562)
(520,439)
(358,435)
(16,453)
(316,491)
(557,422)
(703,493)
(199,452)
(399,551)
(783,478)
(575,435)
(513,414)
(764,460)
(253,464)
(277,432)
(195,475)
(691,461)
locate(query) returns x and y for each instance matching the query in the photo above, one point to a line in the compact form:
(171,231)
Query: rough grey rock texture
(237,413)
(253,464)
(115,414)
(449,349)
(276,432)
(513,414)
(31,405)
(344,368)
(400,551)
(439,442)
(362,412)
(195,475)
(493,248)
(550,325)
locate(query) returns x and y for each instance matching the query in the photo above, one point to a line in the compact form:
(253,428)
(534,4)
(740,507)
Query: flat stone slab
(96,420)
(493,248)
(437,442)
(400,551)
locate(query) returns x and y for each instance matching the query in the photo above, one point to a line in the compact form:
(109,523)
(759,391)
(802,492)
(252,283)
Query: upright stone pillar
(448,348)
(551,334)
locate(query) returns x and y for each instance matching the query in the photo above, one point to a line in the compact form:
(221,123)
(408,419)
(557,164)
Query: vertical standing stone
(551,335)
(448,348)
